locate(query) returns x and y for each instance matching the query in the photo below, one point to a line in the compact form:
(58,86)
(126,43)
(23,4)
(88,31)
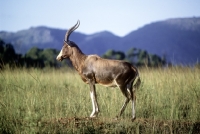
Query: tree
(132,55)
(49,57)
(111,54)
(7,54)
(143,58)
(137,57)
(1,47)
(34,53)
(33,58)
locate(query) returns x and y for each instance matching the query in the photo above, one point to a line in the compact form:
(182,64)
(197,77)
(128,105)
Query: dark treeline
(137,57)
(35,57)
(41,58)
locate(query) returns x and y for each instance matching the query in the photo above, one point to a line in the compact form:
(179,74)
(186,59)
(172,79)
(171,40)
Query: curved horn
(71,30)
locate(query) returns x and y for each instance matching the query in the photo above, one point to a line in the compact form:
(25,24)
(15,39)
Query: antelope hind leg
(127,95)
(133,99)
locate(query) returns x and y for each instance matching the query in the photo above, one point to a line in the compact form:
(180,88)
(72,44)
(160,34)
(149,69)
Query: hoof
(133,119)
(94,116)
(116,118)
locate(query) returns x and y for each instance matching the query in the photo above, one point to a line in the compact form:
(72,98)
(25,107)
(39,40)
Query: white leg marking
(93,104)
(133,112)
(133,105)
(132,96)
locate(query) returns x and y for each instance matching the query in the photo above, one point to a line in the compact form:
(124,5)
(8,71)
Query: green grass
(57,101)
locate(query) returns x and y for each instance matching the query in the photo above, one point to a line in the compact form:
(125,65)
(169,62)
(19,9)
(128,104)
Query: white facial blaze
(59,55)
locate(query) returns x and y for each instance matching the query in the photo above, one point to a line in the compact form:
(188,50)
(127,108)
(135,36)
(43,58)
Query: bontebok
(96,70)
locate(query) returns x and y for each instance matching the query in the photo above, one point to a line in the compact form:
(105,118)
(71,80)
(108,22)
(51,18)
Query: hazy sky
(117,16)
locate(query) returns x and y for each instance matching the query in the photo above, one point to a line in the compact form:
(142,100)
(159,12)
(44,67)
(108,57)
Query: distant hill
(177,39)
(44,37)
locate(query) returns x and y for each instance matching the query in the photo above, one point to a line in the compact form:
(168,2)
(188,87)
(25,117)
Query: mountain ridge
(177,39)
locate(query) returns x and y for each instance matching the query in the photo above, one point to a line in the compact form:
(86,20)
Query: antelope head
(66,50)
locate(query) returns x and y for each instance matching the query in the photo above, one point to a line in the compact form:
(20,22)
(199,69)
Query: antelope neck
(77,58)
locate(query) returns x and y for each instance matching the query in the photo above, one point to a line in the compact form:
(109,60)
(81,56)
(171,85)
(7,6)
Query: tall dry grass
(35,100)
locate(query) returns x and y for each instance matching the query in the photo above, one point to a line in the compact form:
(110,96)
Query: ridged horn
(71,30)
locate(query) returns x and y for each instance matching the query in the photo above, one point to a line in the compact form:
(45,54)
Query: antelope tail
(137,83)
(137,80)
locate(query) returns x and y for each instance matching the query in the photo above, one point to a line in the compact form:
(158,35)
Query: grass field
(57,101)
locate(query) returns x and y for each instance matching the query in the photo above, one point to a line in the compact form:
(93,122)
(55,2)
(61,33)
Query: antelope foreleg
(93,96)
